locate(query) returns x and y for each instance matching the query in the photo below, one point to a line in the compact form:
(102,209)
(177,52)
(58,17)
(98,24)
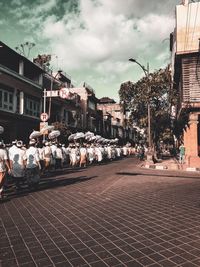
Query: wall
(187,28)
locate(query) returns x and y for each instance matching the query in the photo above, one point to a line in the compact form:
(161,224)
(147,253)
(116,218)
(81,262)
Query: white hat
(19,144)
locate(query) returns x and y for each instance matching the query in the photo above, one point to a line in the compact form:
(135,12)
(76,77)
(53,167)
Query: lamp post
(146,72)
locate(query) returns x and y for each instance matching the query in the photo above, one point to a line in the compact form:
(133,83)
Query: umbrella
(1,129)
(35,134)
(92,138)
(79,135)
(71,137)
(54,134)
(89,134)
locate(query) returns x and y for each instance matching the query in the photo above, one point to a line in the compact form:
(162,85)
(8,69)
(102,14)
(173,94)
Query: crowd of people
(26,163)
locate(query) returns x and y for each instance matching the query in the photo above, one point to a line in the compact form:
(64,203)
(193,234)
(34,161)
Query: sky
(92,40)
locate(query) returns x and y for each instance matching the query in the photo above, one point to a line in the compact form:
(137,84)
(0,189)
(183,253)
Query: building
(185,48)
(60,109)
(115,120)
(22,85)
(91,118)
(20,94)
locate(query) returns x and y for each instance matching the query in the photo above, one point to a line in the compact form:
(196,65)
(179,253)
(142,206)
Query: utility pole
(146,72)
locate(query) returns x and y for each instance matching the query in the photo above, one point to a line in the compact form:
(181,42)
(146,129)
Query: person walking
(83,156)
(181,154)
(4,166)
(18,163)
(32,165)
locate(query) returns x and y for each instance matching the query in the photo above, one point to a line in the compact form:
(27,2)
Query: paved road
(110,215)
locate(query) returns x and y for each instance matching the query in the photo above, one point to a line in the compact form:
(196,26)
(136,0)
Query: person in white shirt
(109,152)
(83,156)
(98,153)
(4,166)
(73,156)
(53,147)
(58,157)
(41,156)
(32,165)
(17,163)
(125,150)
(90,153)
(13,147)
(47,154)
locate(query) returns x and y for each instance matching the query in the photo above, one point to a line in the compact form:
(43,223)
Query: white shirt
(47,152)
(32,156)
(18,156)
(12,148)
(3,158)
(58,153)
(53,150)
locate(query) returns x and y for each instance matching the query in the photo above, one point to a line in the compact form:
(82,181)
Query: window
(91,105)
(32,107)
(6,100)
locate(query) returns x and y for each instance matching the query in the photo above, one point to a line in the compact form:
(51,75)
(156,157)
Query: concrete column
(15,100)
(40,79)
(193,160)
(21,67)
(21,103)
(193,134)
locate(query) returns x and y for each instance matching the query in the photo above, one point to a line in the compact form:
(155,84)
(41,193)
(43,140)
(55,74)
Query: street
(115,214)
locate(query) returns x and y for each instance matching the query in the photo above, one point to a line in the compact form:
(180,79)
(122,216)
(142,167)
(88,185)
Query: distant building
(114,119)
(91,118)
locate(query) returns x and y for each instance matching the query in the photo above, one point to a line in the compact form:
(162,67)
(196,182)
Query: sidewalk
(170,163)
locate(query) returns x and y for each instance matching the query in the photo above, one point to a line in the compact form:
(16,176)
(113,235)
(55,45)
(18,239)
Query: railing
(18,76)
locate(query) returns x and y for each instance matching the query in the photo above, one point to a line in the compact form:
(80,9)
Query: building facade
(185,48)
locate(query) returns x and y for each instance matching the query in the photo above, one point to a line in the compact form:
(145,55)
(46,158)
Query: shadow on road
(47,183)
(158,174)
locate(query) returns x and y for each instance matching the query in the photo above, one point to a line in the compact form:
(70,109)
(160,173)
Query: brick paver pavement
(109,215)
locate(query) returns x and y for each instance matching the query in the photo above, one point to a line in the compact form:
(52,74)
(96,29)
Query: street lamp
(146,72)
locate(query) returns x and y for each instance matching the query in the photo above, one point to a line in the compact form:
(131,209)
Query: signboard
(64,93)
(44,117)
(52,93)
(43,125)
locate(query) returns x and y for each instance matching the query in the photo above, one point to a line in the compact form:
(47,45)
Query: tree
(155,90)
(64,131)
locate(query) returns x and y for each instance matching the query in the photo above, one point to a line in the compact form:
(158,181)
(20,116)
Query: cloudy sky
(92,40)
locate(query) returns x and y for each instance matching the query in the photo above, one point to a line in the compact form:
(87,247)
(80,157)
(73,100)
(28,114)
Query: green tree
(155,90)
(64,131)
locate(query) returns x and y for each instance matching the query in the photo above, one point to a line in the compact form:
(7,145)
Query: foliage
(155,90)
(64,130)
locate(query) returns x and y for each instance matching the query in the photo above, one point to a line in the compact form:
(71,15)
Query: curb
(191,169)
(164,167)
(155,167)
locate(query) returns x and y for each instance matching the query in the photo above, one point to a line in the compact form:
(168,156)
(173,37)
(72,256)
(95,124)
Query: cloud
(95,38)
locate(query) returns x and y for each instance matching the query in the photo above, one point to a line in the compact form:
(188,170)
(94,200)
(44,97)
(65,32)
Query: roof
(13,52)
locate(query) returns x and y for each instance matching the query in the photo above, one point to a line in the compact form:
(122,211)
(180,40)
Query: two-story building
(185,48)
(91,118)
(20,94)
(22,86)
